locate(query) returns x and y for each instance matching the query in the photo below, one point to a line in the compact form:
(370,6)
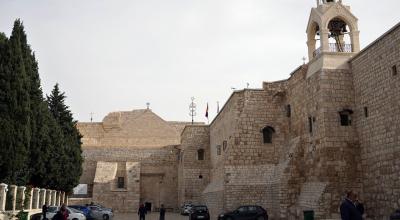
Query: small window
(200,154)
(218,149)
(267,134)
(310,124)
(288,111)
(345,119)
(121,183)
(224,145)
(366,112)
(200,176)
(394,70)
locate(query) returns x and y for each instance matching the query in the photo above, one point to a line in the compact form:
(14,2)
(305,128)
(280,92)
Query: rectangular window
(121,183)
(394,70)
(310,128)
(288,111)
(224,145)
(219,150)
(366,112)
(344,119)
(200,154)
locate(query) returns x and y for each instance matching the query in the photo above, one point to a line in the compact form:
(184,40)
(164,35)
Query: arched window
(345,117)
(267,134)
(200,154)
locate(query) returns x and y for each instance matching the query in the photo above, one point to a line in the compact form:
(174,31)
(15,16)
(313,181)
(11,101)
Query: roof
(138,128)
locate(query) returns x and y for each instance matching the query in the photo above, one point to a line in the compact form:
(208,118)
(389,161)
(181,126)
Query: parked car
(101,213)
(73,214)
(37,216)
(395,215)
(248,212)
(199,212)
(186,208)
(86,210)
(101,207)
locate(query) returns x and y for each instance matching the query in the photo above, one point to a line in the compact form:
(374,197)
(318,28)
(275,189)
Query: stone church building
(291,146)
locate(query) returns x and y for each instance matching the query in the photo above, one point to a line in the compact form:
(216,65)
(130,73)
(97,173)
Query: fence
(16,198)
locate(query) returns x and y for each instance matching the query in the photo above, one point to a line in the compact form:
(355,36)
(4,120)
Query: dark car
(395,215)
(248,212)
(37,216)
(86,210)
(199,212)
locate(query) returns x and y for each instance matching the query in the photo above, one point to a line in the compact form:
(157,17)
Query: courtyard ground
(151,216)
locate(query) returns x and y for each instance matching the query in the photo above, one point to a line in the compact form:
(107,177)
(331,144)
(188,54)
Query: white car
(186,209)
(73,214)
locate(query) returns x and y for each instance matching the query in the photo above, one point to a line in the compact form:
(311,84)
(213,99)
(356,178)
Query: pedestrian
(348,210)
(359,206)
(142,212)
(162,212)
(64,212)
(58,216)
(44,211)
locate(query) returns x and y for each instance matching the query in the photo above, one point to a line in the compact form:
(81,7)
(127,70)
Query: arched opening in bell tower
(339,36)
(314,39)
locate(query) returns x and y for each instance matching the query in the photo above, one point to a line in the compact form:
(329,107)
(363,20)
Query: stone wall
(194,174)
(105,191)
(377,118)
(298,158)
(137,128)
(157,166)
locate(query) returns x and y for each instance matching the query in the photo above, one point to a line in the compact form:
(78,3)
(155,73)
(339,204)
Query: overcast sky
(117,55)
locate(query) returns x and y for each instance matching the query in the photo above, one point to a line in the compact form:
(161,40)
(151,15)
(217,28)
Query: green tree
(71,158)
(6,122)
(15,118)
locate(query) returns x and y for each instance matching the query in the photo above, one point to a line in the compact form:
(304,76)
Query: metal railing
(336,48)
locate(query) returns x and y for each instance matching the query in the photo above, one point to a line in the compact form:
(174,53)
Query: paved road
(151,216)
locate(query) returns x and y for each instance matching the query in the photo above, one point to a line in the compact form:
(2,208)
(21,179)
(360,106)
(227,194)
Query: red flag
(207,111)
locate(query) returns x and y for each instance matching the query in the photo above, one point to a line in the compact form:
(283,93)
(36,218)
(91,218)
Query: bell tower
(332,36)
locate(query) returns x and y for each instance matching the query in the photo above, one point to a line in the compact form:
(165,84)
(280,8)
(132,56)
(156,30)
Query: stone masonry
(291,146)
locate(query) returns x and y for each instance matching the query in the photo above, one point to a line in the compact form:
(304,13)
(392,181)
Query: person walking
(44,211)
(64,212)
(142,212)
(348,210)
(162,212)
(360,207)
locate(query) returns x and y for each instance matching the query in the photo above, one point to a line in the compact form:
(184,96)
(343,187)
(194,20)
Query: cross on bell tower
(332,35)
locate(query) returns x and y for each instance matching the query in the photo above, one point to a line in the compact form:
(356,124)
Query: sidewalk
(151,216)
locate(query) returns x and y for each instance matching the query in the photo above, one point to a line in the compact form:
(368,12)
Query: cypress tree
(71,157)
(41,144)
(15,120)
(6,122)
